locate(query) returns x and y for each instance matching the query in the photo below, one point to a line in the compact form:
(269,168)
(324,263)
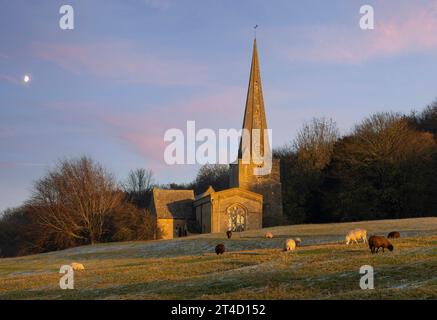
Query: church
(251,202)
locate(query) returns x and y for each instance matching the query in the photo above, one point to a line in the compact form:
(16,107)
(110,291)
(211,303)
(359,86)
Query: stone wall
(203,215)
(169,227)
(166,228)
(252,206)
(212,210)
(269,186)
(253,213)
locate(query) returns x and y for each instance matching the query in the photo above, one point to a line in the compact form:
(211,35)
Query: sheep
(298,241)
(289,245)
(229,234)
(394,235)
(377,242)
(77,266)
(220,249)
(355,235)
(269,235)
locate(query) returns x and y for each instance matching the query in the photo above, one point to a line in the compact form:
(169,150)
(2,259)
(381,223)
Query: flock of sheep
(375,242)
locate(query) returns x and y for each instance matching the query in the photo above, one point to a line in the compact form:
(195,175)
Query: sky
(132,69)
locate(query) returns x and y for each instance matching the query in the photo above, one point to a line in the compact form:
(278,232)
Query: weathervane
(254,28)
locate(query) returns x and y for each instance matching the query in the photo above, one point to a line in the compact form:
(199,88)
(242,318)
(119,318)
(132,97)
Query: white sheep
(355,235)
(289,245)
(77,266)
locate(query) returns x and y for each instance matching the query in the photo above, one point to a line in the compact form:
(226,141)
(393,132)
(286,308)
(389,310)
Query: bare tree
(389,137)
(73,201)
(314,143)
(131,223)
(383,170)
(138,186)
(215,175)
(139,180)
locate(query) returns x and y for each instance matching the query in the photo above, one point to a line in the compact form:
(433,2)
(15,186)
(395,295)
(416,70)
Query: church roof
(206,193)
(172,204)
(254,114)
(227,193)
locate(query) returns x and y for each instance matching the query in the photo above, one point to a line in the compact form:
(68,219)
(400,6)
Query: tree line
(78,203)
(386,167)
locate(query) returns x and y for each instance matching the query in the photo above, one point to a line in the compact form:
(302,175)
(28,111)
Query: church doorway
(237,216)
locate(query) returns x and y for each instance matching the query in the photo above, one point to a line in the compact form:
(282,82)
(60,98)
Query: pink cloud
(145,132)
(72,105)
(121,61)
(7,165)
(411,29)
(7,132)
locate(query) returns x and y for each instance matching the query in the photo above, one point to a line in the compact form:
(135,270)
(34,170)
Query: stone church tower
(242,175)
(253,201)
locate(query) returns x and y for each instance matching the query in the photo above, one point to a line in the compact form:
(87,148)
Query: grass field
(252,268)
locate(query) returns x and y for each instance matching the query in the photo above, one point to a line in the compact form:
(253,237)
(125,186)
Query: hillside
(252,268)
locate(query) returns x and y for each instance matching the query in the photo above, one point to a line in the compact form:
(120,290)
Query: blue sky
(132,69)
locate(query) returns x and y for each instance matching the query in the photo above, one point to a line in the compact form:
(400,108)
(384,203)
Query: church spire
(254,114)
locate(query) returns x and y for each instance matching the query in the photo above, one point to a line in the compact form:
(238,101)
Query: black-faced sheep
(229,234)
(394,235)
(377,242)
(220,248)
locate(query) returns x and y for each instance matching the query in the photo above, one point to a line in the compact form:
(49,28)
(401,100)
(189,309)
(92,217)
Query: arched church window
(237,218)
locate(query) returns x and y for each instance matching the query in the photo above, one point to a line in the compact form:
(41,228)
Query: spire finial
(254,113)
(254,28)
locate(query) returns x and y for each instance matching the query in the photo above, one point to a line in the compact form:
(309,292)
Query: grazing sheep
(394,235)
(220,248)
(269,235)
(289,245)
(229,234)
(77,266)
(355,235)
(298,241)
(377,242)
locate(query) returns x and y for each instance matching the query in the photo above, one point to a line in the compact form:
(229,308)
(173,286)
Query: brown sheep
(220,248)
(229,234)
(377,242)
(394,235)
